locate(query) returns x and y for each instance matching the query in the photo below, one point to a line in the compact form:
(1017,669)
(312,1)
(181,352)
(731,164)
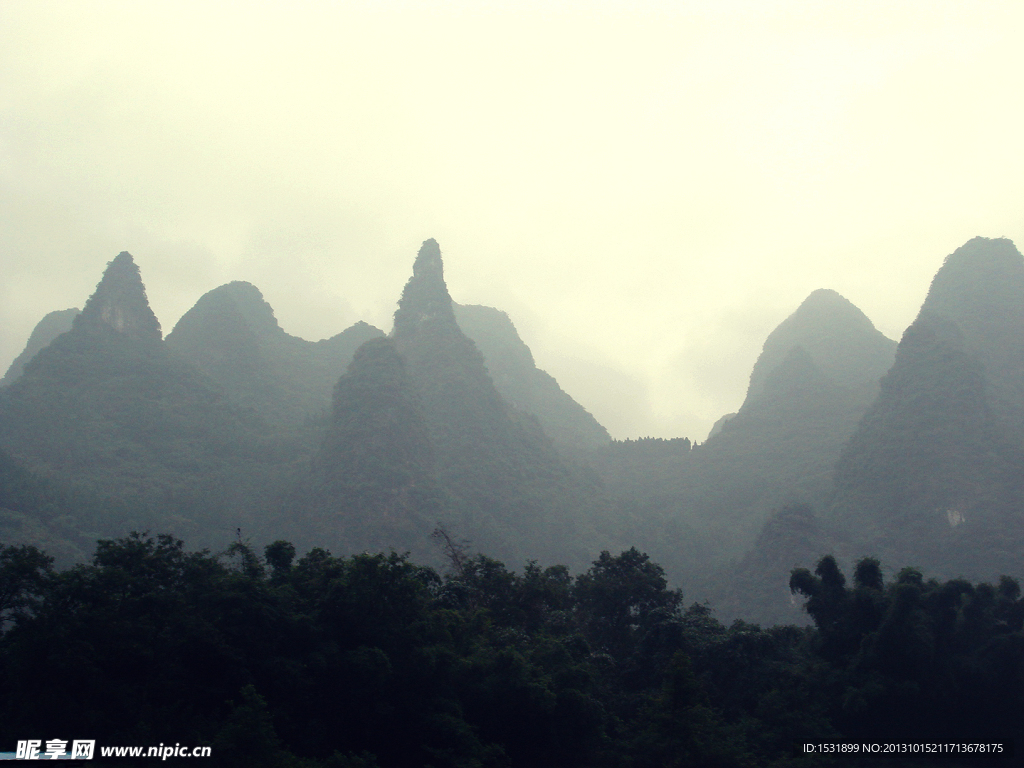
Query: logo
(33,749)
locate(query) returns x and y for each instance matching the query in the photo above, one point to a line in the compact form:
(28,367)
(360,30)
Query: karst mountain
(932,475)
(231,429)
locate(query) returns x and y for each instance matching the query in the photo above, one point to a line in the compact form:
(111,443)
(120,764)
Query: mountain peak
(980,290)
(425,299)
(245,299)
(829,310)
(979,284)
(838,338)
(120,302)
(428,260)
(985,251)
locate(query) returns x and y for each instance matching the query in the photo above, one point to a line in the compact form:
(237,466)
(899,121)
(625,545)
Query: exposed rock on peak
(120,302)
(428,261)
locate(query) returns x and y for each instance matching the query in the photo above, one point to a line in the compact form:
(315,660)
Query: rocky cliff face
(120,303)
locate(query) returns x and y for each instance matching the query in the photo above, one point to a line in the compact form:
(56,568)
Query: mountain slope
(232,336)
(932,474)
(108,407)
(50,327)
(815,378)
(523,385)
(373,484)
(701,509)
(448,448)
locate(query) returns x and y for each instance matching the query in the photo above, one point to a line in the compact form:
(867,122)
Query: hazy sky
(646,188)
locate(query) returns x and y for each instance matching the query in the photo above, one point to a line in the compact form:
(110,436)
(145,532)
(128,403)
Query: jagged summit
(120,302)
(428,260)
(839,339)
(425,298)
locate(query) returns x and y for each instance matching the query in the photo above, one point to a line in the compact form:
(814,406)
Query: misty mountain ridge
(108,408)
(979,290)
(367,441)
(815,378)
(232,335)
(933,472)
(839,339)
(438,447)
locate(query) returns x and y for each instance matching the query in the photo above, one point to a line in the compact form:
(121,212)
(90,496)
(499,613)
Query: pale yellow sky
(646,188)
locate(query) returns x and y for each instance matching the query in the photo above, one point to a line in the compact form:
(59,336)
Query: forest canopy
(375,660)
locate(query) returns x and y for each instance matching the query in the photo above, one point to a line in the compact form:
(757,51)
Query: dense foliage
(373,660)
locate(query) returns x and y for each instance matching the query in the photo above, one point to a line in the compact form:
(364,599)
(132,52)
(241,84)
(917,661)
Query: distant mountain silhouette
(932,475)
(839,339)
(49,328)
(109,408)
(979,290)
(445,445)
(522,384)
(232,336)
(816,377)
(845,442)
